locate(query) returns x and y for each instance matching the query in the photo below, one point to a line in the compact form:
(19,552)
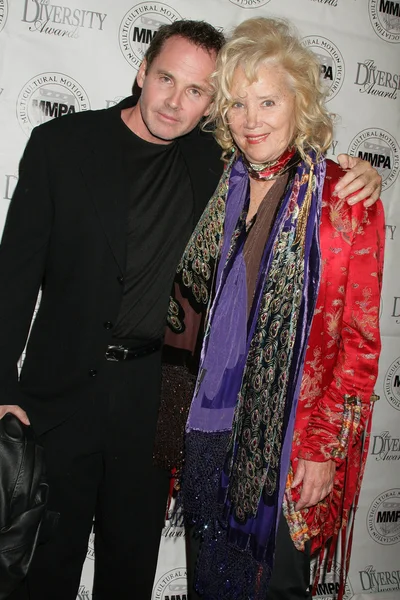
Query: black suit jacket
(65,232)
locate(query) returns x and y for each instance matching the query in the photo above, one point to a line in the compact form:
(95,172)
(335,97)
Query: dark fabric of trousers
(290,576)
(99,464)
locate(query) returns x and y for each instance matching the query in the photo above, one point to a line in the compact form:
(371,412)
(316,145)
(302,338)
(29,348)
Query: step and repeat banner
(63,56)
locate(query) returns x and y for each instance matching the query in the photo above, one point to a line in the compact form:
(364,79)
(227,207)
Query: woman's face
(261,119)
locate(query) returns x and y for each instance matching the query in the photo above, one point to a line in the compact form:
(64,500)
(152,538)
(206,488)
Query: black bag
(23,498)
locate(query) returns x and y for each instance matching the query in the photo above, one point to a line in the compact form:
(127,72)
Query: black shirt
(160,221)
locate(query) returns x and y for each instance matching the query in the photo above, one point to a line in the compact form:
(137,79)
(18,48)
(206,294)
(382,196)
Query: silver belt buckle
(112,358)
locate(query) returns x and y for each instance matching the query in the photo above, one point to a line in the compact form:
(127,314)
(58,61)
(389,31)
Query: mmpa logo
(331,61)
(172,584)
(139,26)
(383,519)
(381,149)
(47,96)
(385,19)
(391,384)
(329,582)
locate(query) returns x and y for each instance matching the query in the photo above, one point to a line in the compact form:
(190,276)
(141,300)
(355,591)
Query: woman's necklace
(271,169)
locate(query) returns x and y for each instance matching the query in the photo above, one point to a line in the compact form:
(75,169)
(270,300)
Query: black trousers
(99,464)
(290,576)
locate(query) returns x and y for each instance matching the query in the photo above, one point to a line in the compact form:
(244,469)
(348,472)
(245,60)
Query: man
(105,203)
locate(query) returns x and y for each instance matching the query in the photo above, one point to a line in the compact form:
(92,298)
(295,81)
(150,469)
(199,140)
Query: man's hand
(360,178)
(317,479)
(15,410)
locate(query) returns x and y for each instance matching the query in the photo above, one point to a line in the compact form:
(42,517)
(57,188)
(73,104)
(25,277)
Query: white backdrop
(82,54)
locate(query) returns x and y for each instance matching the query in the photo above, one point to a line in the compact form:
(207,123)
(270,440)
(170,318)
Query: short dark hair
(200,33)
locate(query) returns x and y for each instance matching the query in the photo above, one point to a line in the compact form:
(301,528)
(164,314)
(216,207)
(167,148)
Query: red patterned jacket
(341,361)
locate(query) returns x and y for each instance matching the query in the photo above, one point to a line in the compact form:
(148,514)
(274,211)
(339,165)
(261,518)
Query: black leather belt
(120,352)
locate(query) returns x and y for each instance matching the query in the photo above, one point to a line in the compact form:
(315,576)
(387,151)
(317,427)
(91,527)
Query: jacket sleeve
(343,410)
(22,260)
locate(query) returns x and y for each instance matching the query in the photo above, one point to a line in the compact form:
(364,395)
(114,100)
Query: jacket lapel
(202,156)
(107,182)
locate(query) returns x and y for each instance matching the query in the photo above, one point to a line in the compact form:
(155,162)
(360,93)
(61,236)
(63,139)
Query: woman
(288,279)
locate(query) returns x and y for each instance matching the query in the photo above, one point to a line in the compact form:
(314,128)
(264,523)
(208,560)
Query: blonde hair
(260,41)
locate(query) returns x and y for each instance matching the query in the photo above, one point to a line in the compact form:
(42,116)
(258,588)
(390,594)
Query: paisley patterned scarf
(240,424)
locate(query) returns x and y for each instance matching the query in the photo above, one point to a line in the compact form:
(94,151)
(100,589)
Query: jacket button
(120,279)
(92,372)
(107,325)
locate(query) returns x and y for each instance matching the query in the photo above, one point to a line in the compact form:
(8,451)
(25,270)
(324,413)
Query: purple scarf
(240,425)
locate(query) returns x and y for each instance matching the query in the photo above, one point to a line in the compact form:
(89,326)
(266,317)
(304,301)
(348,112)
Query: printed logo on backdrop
(331,61)
(9,186)
(22,357)
(385,447)
(396,309)
(172,584)
(381,149)
(390,231)
(114,101)
(385,19)
(330,582)
(47,96)
(60,21)
(374,581)
(250,3)
(177,529)
(375,81)
(383,518)
(173,531)
(330,2)
(391,385)
(84,593)
(90,550)
(333,147)
(3,13)
(139,26)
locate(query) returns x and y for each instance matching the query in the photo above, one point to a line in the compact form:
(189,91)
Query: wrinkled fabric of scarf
(240,424)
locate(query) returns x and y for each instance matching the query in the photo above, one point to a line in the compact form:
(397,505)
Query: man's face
(175,91)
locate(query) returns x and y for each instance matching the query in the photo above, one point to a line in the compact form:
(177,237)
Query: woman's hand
(317,479)
(15,410)
(361,179)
